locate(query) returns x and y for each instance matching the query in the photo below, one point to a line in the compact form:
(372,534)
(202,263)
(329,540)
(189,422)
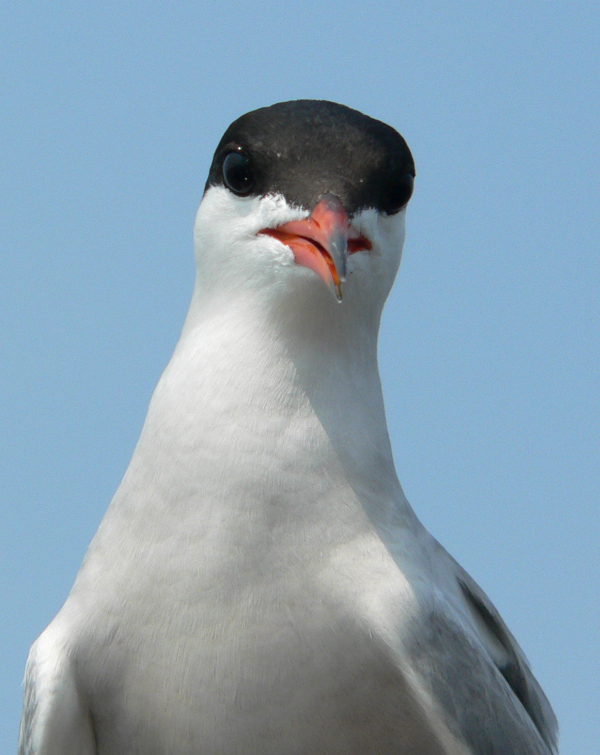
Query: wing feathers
(511,663)
(54,720)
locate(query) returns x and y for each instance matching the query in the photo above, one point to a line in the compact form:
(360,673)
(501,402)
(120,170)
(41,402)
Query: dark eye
(398,194)
(237,174)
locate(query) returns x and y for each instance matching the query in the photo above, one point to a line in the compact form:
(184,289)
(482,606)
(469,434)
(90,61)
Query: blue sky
(490,355)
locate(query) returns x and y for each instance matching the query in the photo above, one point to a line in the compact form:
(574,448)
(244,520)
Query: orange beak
(322,242)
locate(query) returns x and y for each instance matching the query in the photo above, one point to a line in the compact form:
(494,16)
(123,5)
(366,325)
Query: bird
(259,584)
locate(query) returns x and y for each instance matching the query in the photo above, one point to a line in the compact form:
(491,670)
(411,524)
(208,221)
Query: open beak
(323,241)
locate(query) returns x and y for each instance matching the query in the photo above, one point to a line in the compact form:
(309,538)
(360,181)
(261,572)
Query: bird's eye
(399,194)
(237,174)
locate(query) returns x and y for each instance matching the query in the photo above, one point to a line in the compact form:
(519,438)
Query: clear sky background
(490,355)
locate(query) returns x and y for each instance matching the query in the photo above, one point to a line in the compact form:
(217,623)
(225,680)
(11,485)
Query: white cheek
(231,251)
(386,234)
(273,211)
(392,230)
(270,248)
(229,246)
(225,220)
(372,273)
(366,223)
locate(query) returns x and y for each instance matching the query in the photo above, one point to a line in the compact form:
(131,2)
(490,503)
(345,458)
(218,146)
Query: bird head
(305,200)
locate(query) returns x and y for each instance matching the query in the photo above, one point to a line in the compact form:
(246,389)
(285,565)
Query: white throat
(273,392)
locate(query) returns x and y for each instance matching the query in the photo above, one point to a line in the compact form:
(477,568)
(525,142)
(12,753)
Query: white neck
(261,398)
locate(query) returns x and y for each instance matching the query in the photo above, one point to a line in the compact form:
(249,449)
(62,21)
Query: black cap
(304,149)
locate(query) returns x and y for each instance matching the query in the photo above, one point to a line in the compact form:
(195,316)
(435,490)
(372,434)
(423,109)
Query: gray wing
(514,666)
(55,720)
(509,659)
(475,669)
